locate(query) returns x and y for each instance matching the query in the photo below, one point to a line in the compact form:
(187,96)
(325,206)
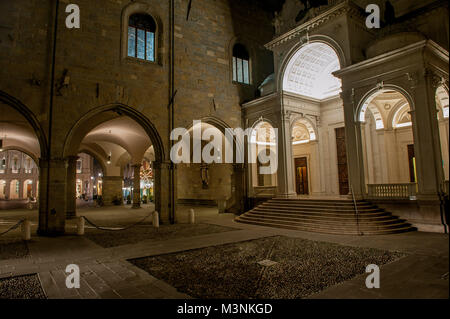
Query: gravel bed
(231,271)
(12,248)
(136,234)
(21,287)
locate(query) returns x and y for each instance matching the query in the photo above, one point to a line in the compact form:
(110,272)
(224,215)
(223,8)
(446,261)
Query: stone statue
(277,23)
(311,9)
(204,175)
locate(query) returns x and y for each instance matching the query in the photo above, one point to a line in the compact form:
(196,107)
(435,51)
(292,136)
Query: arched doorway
(442,102)
(22,145)
(114,133)
(206,180)
(263,142)
(310,132)
(387,137)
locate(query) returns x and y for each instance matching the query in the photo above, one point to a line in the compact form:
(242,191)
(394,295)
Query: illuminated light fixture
(301,142)
(404,124)
(1,145)
(109,159)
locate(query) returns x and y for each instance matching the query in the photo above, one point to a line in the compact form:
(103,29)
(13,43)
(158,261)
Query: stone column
(238,187)
(161,189)
(71,187)
(353,141)
(427,146)
(285,173)
(52,201)
(427,151)
(112,189)
(137,186)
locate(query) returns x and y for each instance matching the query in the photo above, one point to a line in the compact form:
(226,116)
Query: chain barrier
(113,228)
(13,227)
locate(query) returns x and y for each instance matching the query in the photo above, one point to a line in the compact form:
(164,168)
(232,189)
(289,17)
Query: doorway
(301,175)
(342,161)
(412,163)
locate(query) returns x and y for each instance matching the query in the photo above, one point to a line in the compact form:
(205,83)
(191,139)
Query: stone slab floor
(106,273)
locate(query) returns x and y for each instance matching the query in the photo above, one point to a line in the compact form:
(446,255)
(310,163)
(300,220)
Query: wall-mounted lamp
(1,145)
(109,159)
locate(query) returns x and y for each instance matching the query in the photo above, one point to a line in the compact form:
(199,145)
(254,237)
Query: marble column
(137,186)
(71,187)
(285,173)
(427,146)
(353,141)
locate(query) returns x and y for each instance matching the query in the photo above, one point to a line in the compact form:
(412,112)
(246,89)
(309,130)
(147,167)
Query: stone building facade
(229,64)
(19,176)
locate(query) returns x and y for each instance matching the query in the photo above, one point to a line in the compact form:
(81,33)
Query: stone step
(300,211)
(331,231)
(317,209)
(333,217)
(334,226)
(321,215)
(383,220)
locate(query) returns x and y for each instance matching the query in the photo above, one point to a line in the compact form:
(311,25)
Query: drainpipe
(171,108)
(50,109)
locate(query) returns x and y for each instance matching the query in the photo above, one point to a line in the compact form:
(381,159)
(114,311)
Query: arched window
(241,65)
(141,37)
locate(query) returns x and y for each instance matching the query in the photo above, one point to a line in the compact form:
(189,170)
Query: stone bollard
(191,216)
(80,226)
(222,205)
(26,229)
(155,219)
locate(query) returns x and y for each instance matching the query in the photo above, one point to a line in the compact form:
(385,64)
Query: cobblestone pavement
(106,273)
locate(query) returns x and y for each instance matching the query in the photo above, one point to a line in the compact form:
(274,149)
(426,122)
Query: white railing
(392,191)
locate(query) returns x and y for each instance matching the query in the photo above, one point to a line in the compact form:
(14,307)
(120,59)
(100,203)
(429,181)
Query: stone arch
(379,90)
(142,7)
(442,97)
(92,153)
(20,149)
(31,119)
(394,112)
(98,115)
(312,129)
(312,39)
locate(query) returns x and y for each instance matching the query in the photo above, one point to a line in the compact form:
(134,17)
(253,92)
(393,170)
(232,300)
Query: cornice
(345,7)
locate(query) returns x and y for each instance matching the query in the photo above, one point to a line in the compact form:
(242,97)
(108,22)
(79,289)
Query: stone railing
(264,191)
(392,191)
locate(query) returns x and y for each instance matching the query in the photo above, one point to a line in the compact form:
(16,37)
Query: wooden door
(342,161)
(412,163)
(301,176)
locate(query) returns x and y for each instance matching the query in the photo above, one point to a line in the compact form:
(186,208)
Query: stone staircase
(325,216)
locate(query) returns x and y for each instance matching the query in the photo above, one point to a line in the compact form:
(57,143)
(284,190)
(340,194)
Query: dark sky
(272,5)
